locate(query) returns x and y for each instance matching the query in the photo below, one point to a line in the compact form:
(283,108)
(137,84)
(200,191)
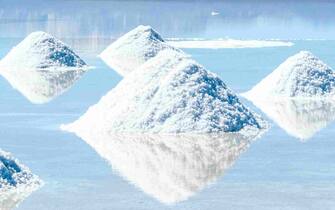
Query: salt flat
(278,165)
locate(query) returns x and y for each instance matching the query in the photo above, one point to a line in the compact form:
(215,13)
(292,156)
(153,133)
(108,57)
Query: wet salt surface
(275,171)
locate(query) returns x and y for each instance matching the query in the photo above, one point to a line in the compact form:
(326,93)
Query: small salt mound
(170,168)
(170,93)
(133,49)
(41,86)
(42,67)
(40,50)
(16,181)
(302,75)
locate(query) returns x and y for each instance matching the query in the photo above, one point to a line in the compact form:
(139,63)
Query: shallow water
(277,171)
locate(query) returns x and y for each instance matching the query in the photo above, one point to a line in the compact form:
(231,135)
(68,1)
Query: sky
(181,19)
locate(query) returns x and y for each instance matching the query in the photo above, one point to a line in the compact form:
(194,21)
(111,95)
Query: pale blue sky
(237,19)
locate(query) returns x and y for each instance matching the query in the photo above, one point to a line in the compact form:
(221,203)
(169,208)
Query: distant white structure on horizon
(226,43)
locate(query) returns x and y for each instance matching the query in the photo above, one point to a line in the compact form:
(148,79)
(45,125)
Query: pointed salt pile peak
(170,93)
(302,75)
(300,118)
(40,50)
(133,49)
(16,181)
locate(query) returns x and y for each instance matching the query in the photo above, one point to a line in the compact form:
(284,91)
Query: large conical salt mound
(133,49)
(40,50)
(302,75)
(16,181)
(170,93)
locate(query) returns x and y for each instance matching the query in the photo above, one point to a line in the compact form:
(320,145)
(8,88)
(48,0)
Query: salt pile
(170,168)
(41,86)
(300,118)
(42,67)
(170,93)
(40,50)
(133,49)
(16,181)
(302,75)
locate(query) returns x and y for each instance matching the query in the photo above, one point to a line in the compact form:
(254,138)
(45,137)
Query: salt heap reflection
(301,118)
(41,85)
(12,200)
(170,168)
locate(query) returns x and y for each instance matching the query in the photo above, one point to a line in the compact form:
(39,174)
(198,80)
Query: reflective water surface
(105,171)
(41,86)
(10,199)
(299,118)
(170,168)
